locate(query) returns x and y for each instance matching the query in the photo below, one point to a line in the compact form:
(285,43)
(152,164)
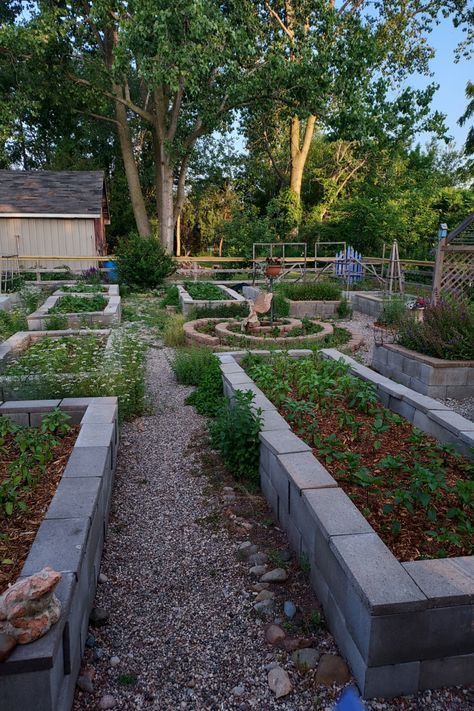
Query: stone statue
(29,607)
(261,305)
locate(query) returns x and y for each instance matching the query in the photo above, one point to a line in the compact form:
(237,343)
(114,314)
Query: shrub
(224,311)
(189,364)
(92,276)
(171,297)
(344,309)
(56,322)
(30,297)
(393,312)
(208,397)
(316,291)
(281,307)
(447,331)
(173,334)
(235,433)
(142,262)
(205,291)
(11,322)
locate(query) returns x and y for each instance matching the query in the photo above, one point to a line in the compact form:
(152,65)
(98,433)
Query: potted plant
(273,267)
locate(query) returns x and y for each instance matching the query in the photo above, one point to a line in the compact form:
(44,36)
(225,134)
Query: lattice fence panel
(458,270)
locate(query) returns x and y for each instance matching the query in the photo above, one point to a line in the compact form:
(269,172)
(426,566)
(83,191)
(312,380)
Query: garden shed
(53,213)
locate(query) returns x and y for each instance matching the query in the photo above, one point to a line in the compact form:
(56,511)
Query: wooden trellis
(454,269)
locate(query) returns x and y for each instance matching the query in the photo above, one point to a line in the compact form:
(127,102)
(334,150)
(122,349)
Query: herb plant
(205,291)
(77,304)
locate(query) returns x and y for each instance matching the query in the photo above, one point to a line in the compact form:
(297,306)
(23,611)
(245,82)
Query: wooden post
(438,272)
(178,236)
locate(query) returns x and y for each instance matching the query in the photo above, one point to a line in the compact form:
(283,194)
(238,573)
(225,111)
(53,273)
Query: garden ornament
(261,305)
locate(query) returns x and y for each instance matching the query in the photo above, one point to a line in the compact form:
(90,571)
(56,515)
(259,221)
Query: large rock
(29,608)
(290,645)
(279,682)
(265,595)
(278,575)
(306,659)
(274,634)
(332,669)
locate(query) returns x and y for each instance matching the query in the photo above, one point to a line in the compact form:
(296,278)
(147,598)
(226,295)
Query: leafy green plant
(344,309)
(56,322)
(173,333)
(208,398)
(310,291)
(205,291)
(78,304)
(30,297)
(142,262)
(235,433)
(447,330)
(393,312)
(11,322)
(83,288)
(237,310)
(171,297)
(189,364)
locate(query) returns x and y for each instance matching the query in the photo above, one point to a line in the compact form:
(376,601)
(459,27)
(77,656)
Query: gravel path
(182,633)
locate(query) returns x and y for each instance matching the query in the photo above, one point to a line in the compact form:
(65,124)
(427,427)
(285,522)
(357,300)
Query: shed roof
(49,192)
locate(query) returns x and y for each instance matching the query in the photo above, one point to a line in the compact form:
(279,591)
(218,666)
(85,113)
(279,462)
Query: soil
(18,531)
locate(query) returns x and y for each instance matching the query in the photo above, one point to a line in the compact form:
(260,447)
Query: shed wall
(49,236)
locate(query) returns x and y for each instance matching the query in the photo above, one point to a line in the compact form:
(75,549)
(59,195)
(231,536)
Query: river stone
(7,645)
(107,702)
(305,659)
(279,682)
(264,608)
(85,684)
(290,645)
(332,669)
(289,609)
(278,575)
(246,549)
(114,661)
(265,595)
(274,634)
(258,587)
(257,571)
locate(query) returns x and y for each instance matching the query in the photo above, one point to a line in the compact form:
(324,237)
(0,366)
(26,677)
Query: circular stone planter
(224,333)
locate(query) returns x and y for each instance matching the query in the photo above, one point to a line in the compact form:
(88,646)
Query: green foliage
(208,396)
(171,297)
(310,291)
(83,288)
(80,367)
(307,328)
(224,311)
(78,304)
(173,333)
(30,297)
(281,307)
(205,291)
(142,262)
(394,311)
(235,433)
(57,322)
(33,450)
(11,322)
(284,213)
(447,330)
(344,309)
(189,364)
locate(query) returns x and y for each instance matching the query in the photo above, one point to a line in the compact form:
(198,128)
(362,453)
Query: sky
(452,78)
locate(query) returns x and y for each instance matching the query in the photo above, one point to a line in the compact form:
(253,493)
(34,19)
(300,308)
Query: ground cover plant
(310,291)
(171,297)
(11,322)
(83,288)
(417,494)
(205,291)
(78,304)
(447,330)
(81,367)
(31,465)
(393,312)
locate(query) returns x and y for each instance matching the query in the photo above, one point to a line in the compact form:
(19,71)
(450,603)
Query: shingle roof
(48,192)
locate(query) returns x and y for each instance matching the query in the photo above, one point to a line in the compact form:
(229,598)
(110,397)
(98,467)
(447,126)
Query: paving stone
(95,435)
(29,406)
(447,581)
(75,498)
(305,471)
(88,462)
(335,513)
(451,421)
(59,543)
(284,442)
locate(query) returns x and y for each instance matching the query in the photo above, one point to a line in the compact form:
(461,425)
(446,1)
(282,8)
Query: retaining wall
(321,309)
(430,376)
(110,316)
(41,676)
(403,627)
(367,302)
(187,303)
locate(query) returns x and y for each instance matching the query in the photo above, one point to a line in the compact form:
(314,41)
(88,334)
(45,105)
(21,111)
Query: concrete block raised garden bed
(226,297)
(313,309)
(41,676)
(367,302)
(430,376)
(109,315)
(9,301)
(30,384)
(84,288)
(402,626)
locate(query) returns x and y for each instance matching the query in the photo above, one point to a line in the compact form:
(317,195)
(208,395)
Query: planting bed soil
(40,470)
(415,492)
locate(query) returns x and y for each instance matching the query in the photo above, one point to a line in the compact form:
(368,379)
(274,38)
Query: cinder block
(334,513)
(451,421)
(294,537)
(75,498)
(401,377)
(283,442)
(449,671)
(444,581)
(96,435)
(88,462)
(391,680)
(412,367)
(458,392)
(238,378)
(231,367)
(422,421)
(29,406)
(423,402)
(305,471)
(402,408)
(101,413)
(21,418)
(425,389)
(272,420)
(59,543)
(370,564)
(269,491)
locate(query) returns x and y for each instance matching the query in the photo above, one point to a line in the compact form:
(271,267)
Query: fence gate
(349,265)
(454,269)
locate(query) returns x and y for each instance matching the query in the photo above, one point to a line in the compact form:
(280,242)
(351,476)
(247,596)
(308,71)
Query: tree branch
(175,110)
(146,115)
(277,17)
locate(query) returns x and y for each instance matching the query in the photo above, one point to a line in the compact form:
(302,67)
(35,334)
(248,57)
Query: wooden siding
(49,236)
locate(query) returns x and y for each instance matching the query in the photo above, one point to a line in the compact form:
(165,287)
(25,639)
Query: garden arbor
(454,269)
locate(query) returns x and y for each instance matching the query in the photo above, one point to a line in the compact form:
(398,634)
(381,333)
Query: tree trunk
(164,195)
(299,154)
(131,170)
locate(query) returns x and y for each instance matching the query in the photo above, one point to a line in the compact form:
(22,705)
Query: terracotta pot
(272,270)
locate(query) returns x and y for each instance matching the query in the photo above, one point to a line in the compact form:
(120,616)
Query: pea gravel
(181,622)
